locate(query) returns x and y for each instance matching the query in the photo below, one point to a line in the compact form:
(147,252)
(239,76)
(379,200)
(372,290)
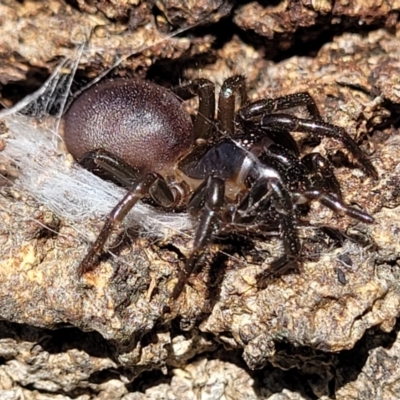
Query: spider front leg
(264,110)
(233,92)
(265,106)
(205,90)
(151,184)
(207,132)
(319,129)
(269,191)
(332,201)
(209,197)
(108,166)
(326,189)
(322,173)
(322,185)
(287,223)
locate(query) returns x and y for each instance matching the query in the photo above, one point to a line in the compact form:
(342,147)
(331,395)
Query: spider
(237,171)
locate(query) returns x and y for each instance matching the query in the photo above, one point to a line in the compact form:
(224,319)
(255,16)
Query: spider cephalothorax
(237,171)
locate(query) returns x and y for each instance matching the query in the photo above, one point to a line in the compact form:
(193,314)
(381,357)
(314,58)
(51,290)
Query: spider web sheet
(48,173)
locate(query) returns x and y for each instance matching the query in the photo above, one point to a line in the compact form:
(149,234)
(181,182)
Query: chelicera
(235,170)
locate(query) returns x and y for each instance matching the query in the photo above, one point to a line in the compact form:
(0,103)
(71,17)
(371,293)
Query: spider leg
(249,118)
(329,189)
(318,129)
(266,106)
(257,199)
(204,126)
(332,201)
(205,132)
(285,122)
(322,173)
(232,89)
(285,161)
(210,198)
(324,186)
(288,230)
(270,186)
(138,191)
(205,90)
(109,166)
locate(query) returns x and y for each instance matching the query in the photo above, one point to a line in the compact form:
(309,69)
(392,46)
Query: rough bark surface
(328,331)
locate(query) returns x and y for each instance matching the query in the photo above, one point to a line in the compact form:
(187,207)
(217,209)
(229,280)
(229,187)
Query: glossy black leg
(319,129)
(287,220)
(110,167)
(322,173)
(254,203)
(138,191)
(211,196)
(266,106)
(232,90)
(205,90)
(334,202)
(285,122)
(266,193)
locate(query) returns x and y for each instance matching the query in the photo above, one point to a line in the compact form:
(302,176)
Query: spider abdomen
(142,123)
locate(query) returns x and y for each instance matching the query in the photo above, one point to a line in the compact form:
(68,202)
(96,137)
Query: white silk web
(48,173)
